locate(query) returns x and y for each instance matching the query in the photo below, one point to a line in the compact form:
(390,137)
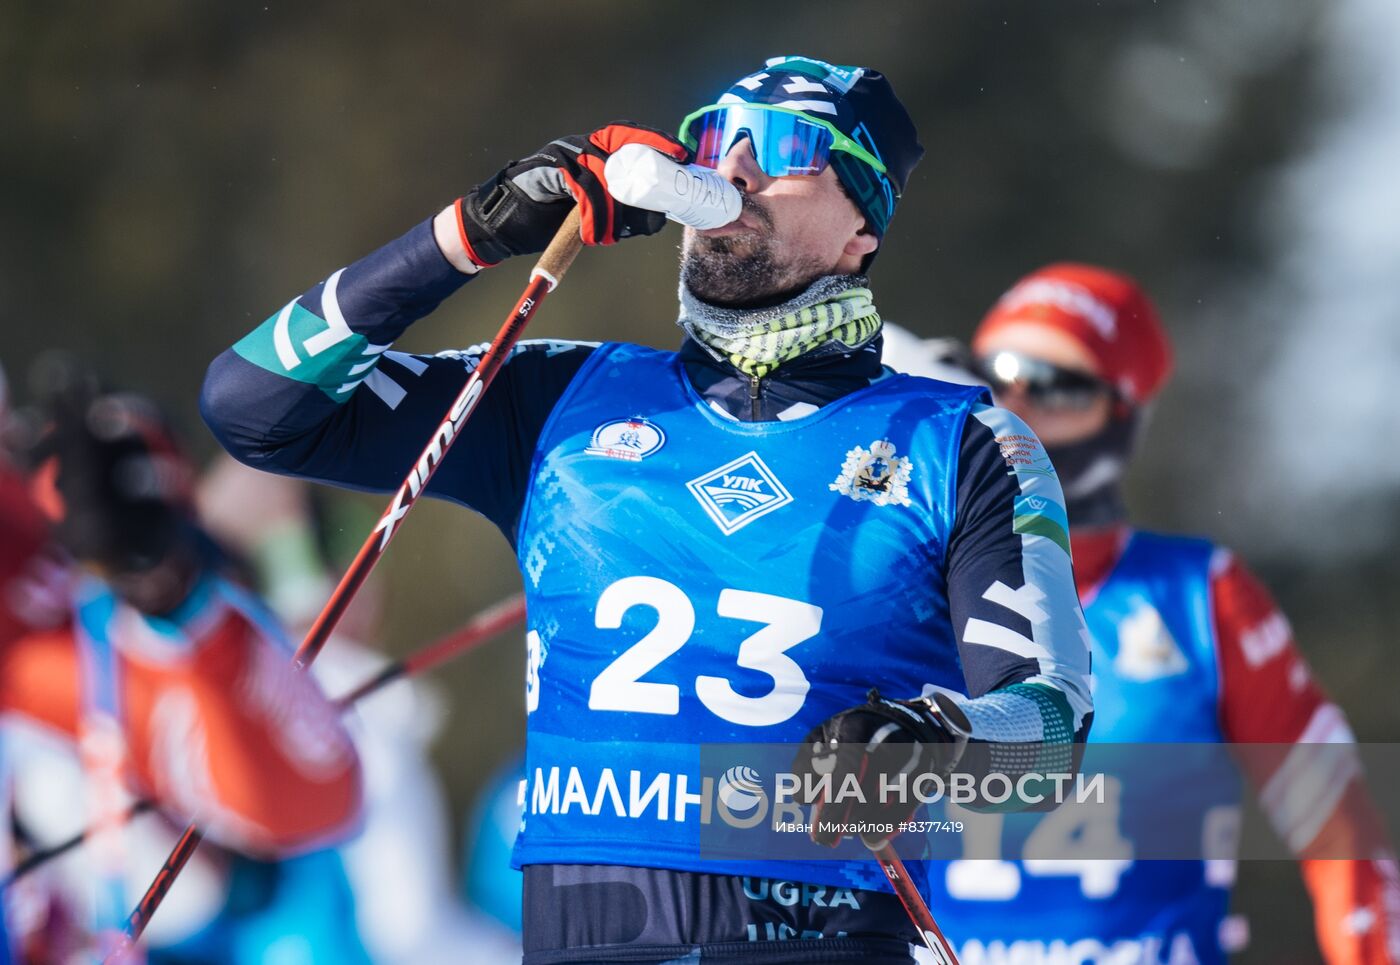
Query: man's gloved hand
(876,742)
(518,211)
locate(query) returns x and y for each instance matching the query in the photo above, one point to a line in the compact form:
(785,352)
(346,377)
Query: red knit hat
(1108,313)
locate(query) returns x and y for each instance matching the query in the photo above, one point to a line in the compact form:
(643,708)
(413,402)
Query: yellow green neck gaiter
(836,310)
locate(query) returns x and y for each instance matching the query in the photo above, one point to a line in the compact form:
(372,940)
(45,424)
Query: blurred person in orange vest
(117,629)
(403,907)
(1188,647)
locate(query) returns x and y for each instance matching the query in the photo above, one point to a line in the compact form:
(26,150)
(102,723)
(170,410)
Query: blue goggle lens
(784,144)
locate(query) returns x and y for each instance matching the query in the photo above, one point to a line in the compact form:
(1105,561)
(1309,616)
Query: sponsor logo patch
(629,439)
(739,492)
(1024,455)
(875,475)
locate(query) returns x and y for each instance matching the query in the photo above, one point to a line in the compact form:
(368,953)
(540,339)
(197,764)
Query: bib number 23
(786,623)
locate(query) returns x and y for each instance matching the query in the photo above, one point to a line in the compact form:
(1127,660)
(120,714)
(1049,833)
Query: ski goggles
(1046,385)
(785,142)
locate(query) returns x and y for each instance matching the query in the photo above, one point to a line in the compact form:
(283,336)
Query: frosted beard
(744,269)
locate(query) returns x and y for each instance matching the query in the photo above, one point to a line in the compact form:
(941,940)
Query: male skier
(734,542)
(1188,647)
(174,681)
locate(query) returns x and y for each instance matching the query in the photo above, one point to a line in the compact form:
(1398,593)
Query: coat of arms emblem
(875,475)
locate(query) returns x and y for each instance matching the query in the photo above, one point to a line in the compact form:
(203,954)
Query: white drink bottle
(692,195)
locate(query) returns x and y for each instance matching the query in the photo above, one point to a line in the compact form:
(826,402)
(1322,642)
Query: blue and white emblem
(739,492)
(631,439)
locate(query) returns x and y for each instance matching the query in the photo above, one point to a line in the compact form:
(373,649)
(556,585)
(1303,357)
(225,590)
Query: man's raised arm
(316,392)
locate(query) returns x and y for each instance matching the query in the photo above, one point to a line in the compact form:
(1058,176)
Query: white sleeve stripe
(1003,638)
(414,365)
(1299,810)
(389,391)
(1302,793)
(337,329)
(282,338)
(1025,601)
(1328,725)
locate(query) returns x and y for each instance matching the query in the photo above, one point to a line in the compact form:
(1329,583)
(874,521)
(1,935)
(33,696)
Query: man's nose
(740,168)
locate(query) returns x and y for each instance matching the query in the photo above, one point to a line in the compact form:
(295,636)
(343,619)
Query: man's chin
(736,270)
(728,241)
(720,276)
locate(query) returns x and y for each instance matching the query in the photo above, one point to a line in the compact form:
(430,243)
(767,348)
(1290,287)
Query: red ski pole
(483,626)
(544,277)
(914,904)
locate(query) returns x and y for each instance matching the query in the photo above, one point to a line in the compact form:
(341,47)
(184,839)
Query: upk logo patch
(739,492)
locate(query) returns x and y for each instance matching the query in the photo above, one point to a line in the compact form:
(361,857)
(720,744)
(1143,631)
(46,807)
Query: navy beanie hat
(862,105)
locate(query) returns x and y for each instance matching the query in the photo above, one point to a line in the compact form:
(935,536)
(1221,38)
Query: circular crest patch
(630,439)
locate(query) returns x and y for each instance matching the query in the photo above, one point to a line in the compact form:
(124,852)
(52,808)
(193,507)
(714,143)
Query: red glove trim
(462,235)
(588,224)
(613,136)
(595,166)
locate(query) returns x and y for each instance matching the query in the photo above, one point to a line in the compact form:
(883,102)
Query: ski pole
(483,626)
(914,904)
(479,628)
(544,278)
(40,858)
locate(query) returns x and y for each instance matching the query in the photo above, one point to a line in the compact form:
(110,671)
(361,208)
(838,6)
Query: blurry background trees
(172,172)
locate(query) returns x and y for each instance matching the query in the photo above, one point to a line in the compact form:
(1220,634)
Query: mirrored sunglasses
(1047,385)
(785,142)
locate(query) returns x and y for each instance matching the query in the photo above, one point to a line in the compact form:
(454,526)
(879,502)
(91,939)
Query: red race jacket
(1269,696)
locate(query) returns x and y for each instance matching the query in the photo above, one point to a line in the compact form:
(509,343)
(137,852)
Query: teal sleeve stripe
(298,344)
(1037,525)
(1055,714)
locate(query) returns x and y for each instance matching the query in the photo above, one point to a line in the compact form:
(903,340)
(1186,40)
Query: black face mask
(1091,470)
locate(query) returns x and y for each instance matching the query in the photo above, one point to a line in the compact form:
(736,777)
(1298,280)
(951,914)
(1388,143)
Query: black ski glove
(518,211)
(876,742)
